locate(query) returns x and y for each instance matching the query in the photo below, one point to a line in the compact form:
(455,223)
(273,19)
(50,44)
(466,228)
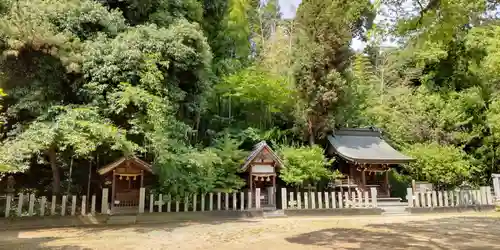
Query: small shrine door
(264,177)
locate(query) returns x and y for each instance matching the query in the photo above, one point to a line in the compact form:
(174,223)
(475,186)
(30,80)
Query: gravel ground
(463,231)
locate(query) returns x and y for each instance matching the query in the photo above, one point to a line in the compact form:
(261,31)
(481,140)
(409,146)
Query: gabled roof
(255,152)
(365,146)
(133,160)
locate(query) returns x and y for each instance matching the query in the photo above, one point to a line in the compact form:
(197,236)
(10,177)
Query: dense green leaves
(442,165)
(165,79)
(304,165)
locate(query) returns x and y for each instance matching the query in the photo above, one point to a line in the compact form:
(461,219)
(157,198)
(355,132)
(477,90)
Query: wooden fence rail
(451,198)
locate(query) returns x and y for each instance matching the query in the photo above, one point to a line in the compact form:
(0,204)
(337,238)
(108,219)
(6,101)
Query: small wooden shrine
(126,176)
(366,159)
(261,169)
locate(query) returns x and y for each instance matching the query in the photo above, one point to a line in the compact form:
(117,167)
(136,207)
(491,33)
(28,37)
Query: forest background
(190,85)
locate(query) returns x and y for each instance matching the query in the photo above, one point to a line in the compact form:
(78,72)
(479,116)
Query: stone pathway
(443,231)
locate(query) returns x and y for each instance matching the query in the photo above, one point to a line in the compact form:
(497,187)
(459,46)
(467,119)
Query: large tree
(323,32)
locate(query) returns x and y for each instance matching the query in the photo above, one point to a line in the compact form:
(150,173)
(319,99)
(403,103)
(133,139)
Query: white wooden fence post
(160,203)
(151,203)
(92,207)
(334,203)
(63,205)
(367,199)
(484,196)
(354,203)
(257,198)
(284,205)
(84,205)
(341,202)
(440,198)
(194,202)
(360,198)
(235,202)
(452,198)
(73,205)
(306,200)
(203,202)
(7,205)
(249,200)
(20,205)
(489,198)
(43,203)
(104,203)
(290,201)
(142,200)
(31,206)
(219,206)
(409,197)
(242,201)
(429,199)
(299,200)
(434,198)
(211,201)
(320,201)
(226,202)
(373,193)
(327,200)
(445,197)
(313,201)
(53,205)
(496,185)
(347,202)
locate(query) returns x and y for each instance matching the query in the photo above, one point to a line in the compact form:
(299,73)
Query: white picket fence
(329,200)
(452,198)
(201,202)
(30,205)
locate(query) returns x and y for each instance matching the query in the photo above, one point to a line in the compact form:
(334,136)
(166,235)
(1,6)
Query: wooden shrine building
(261,170)
(365,159)
(126,176)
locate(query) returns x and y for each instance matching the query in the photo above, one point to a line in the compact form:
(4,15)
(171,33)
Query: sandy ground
(463,231)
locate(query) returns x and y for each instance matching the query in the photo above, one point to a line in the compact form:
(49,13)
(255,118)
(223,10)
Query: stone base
(417,210)
(333,212)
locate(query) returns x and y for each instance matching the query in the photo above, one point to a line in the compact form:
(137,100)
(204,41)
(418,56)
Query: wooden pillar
(273,198)
(113,189)
(387,187)
(363,178)
(351,171)
(142,178)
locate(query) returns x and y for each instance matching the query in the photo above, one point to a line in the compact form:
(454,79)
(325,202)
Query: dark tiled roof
(365,146)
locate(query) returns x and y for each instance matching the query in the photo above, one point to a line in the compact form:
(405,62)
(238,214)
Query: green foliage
(304,165)
(442,165)
(80,128)
(165,79)
(321,55)
(231,159)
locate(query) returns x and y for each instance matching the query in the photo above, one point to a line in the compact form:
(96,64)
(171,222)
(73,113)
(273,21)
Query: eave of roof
(257,149)
(142,164)
(365,146)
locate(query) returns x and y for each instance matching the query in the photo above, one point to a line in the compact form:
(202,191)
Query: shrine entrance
(262,167)
(126,177)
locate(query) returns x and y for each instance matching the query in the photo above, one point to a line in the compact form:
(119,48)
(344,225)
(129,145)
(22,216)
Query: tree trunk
(310,131)
(56,177)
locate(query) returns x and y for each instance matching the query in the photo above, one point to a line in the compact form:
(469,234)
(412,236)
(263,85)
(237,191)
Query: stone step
(392,204)
(275,213)
(388,199)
